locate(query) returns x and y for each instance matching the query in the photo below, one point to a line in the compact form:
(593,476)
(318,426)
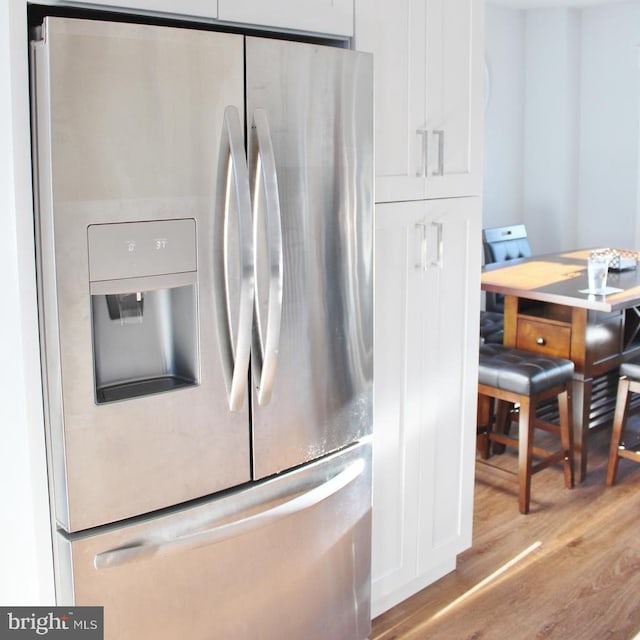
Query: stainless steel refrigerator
(204,234)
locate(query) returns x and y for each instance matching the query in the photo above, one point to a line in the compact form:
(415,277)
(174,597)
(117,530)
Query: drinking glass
(597,268)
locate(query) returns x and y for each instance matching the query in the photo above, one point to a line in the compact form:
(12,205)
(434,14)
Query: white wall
(579,131)
(551,74)
(504,124)
(26,565)
(610,114)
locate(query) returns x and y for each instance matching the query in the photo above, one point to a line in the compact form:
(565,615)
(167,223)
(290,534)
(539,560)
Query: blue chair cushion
(502,244)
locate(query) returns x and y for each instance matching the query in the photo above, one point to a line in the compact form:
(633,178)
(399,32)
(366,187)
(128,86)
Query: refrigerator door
(129,123)
(315,395)
(284,560)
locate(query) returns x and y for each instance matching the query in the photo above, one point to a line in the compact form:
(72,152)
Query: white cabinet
(333,17)
(428,60)
(192,8)
(428,63)
(323,17)
(427,298)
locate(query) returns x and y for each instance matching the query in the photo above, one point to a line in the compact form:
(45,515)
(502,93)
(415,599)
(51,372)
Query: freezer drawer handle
(263,174)
(144,551)
(233,178)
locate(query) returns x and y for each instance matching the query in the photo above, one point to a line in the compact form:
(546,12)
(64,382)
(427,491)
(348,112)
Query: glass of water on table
(597,268)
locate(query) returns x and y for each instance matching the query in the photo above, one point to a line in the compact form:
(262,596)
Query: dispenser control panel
(137,249)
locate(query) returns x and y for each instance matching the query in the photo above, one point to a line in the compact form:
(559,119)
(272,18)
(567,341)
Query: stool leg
(619,420)
(525,451)
(484,424)
(502,424)
(566,437)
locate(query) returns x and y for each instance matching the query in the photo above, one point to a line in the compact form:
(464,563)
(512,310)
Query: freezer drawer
(284,560)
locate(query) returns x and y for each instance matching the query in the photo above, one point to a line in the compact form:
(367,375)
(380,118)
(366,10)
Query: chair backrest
(502,244)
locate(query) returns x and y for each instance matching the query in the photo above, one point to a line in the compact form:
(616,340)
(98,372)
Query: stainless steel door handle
(158,544)
(233,179)
(266,336)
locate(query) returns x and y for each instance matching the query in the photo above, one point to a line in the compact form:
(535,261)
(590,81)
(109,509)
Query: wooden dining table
(548,309)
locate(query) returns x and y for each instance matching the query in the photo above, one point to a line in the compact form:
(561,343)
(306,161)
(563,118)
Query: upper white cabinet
(324,17)
(194,8)
(428,61)
(332,17)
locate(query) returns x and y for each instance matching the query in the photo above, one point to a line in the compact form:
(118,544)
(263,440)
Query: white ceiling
(537,4)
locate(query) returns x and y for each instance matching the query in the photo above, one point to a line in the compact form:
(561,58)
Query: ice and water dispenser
(143,284)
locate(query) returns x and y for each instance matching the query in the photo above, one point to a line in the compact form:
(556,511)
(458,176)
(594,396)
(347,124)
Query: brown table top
(558,278)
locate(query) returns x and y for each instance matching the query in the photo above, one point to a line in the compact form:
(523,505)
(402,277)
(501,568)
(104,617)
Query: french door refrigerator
(204,234)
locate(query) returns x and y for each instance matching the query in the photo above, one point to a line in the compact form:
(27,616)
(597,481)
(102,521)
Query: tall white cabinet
(428,61)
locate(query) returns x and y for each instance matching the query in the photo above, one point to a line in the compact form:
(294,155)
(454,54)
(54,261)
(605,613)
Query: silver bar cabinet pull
(424,153)
(440,134)
(421,252)
(438,262)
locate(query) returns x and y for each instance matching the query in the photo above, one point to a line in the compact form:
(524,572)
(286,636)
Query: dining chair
(502,244)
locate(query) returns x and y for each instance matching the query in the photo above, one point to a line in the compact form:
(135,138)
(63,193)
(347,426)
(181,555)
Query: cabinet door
(428,61)
(395,34)
(427,300)
(400,307)
(333,17)
(449,394)
(196,8)
(454,91)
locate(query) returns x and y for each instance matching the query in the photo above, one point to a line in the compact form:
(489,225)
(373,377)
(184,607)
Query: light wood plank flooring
(569,570)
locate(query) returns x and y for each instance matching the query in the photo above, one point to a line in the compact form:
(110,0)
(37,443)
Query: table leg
(581,402)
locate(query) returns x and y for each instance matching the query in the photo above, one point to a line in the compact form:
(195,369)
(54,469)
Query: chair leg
(619,420)
(525,451)
(566,437)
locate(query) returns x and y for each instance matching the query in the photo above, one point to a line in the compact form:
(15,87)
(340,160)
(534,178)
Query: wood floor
(569,570)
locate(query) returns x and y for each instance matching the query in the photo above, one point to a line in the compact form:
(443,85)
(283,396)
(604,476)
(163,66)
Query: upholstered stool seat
(629,383)
(511,376)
